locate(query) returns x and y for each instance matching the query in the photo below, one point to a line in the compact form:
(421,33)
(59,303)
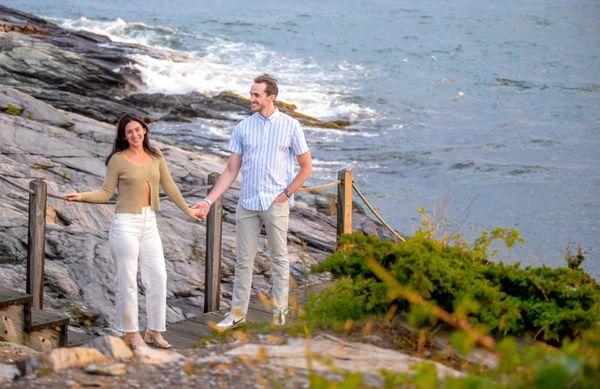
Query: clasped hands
(201,208)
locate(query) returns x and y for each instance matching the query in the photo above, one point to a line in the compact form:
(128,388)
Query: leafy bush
(550,304)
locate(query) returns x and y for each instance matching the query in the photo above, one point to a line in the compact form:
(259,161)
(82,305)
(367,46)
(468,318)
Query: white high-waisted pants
(132,237)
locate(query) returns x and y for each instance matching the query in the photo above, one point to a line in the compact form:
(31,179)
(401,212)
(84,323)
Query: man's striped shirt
(268,147)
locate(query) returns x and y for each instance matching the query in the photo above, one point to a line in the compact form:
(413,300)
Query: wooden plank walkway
(185,333)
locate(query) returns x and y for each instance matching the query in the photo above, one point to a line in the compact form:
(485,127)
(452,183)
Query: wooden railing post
(36,242)
(344,202)
(212,269)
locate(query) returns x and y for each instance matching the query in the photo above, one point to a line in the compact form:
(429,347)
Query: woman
(136,169)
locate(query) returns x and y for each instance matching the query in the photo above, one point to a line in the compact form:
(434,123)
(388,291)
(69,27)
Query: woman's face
(135,133)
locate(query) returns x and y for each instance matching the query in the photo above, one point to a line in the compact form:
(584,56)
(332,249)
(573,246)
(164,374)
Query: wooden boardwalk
(183,334)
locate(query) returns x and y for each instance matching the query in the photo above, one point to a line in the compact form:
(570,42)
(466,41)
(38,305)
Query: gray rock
(112,347)
(60,359)
(79,72)
(8,373)
(32,108)
(112,369)
(328,354)
(151,356)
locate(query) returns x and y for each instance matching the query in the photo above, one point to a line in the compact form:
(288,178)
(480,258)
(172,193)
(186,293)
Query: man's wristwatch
(287,193)
(207,201)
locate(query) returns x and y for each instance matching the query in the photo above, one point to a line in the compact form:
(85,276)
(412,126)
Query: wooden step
(10,297)
(14,315)
(47,331)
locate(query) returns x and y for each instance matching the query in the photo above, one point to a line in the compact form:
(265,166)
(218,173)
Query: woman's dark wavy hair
(121,143)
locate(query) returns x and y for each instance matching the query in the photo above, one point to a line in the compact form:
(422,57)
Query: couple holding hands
(263,146)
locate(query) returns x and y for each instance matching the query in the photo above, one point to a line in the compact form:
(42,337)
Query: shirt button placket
(263,150)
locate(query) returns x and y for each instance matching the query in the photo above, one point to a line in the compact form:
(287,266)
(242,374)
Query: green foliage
(348,300)
(349,381)
(462,342)
(426,376)
(549,304)
(575,365)
(12,110)
(574,261)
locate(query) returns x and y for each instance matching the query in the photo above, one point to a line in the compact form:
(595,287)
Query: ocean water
(485,114)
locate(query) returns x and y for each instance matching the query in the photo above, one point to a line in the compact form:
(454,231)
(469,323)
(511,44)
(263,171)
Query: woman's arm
(105,192)
(170,188)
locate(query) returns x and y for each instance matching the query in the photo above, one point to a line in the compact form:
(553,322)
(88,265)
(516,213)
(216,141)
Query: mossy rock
(291,110)
(12,110)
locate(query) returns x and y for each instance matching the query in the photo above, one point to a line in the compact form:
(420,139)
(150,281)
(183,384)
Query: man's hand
(282,198)
(201,208)
(193,213)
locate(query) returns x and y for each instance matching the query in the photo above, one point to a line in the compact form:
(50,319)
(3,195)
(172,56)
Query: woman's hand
(282,198)
(74,196)
(194,213)
(201,209)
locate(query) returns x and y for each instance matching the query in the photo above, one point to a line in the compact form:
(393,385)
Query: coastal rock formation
(89,74)
(269,360)
(326,354)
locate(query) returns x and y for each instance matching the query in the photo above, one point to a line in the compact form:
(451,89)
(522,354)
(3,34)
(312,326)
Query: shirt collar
(270,118)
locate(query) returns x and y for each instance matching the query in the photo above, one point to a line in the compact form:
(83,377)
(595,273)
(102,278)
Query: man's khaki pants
(248,226)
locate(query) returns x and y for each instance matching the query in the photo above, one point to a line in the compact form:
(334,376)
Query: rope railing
(162,197)
(184,194)
(377,215)
(16,185)
(236,187)
(318,187)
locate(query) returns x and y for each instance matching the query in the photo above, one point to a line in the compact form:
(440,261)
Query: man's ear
(272,98)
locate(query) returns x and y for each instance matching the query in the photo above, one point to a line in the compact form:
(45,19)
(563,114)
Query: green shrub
(348,300)
(550,304)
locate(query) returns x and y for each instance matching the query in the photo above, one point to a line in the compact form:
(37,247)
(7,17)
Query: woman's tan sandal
(162,343)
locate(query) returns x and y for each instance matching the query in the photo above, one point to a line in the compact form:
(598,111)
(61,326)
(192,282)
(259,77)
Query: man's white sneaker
(229,321)
(279,318)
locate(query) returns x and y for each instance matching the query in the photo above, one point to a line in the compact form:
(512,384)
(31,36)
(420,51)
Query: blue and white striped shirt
(268,146)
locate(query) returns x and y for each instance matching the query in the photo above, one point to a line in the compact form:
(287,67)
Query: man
(263,146)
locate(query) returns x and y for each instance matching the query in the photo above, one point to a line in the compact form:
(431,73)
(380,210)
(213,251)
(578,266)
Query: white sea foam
(119,30)
(225,65)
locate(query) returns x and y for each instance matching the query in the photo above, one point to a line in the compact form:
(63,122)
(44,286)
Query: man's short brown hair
(270,82)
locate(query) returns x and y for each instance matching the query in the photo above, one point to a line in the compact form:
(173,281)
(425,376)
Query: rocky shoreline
(89,74)
(59,94)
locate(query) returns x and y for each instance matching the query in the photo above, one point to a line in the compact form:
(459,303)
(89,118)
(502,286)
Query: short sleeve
(299,145)
(235,143)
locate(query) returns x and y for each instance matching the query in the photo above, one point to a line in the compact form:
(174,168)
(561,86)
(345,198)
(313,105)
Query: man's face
(259,98)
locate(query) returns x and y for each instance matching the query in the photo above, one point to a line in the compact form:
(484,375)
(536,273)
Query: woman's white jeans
(132,237)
